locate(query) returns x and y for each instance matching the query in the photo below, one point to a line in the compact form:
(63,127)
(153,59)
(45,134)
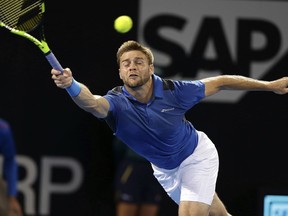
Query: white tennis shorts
(195,178)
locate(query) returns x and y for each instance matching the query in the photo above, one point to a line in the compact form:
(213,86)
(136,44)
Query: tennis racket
(21,17)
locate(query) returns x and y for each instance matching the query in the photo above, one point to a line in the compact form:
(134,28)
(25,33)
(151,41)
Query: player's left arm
(237,82)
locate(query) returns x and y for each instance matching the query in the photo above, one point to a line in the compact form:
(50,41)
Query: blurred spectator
(9,204)
(137,192)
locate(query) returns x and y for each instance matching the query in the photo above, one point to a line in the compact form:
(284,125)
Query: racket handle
(72,90)
(53,61)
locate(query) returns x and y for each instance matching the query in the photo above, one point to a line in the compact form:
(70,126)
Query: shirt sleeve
(189,93)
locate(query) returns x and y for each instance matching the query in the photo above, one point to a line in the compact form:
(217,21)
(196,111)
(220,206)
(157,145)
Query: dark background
(250,135)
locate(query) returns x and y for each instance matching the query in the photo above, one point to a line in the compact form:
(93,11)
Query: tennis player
(9,204)
(148,114)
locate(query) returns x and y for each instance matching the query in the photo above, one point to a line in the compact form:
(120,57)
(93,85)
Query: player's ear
(120,73)
(151,69)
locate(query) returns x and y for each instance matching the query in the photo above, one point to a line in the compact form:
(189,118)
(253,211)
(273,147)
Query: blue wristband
(74,89)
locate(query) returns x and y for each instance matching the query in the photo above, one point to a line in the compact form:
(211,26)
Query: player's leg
(198,176)
(217,207)
(194,180)
(191,208)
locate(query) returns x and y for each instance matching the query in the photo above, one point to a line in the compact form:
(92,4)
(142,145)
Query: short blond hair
(134,45)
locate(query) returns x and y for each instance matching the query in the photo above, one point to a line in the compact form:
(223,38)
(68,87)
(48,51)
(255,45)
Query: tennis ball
(123,24)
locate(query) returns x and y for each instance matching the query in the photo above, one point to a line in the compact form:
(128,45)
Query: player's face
(134,69)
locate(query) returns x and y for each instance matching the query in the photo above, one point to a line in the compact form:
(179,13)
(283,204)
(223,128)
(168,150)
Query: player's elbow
(211,91)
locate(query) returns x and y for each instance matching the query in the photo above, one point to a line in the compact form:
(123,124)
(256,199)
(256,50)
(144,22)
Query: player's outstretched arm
(237,82)
(81,95)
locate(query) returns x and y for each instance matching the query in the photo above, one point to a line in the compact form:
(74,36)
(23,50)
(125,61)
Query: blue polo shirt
(158,131)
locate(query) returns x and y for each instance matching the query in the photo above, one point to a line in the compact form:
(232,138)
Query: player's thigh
(198,173)
(217,207)
(191,208)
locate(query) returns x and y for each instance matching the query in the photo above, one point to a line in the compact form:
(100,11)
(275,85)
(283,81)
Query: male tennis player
(148,114)
(9,204)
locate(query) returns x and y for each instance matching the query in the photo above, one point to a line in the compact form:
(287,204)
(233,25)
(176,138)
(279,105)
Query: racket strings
(21,15)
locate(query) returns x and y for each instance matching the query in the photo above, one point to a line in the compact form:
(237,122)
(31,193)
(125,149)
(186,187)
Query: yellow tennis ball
(123,24)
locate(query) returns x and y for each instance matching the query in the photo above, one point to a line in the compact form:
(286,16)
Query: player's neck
(144,93)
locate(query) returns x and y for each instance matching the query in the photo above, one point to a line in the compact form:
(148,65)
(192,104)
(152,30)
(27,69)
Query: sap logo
(196,39)
(212,34)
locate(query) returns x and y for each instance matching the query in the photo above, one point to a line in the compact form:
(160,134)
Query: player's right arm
(94,104)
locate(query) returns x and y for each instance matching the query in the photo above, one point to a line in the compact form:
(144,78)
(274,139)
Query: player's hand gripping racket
(21,17)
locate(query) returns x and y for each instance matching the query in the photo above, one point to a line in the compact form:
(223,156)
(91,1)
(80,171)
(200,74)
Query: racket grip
(72,90)
(53,61)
